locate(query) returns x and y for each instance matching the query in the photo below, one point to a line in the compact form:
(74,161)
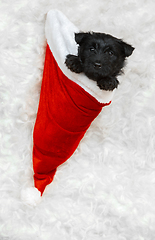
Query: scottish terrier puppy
(101,57)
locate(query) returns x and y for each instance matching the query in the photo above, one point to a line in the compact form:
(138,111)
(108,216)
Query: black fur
(101,57)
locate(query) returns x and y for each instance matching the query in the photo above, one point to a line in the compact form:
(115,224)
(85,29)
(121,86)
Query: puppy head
(102,55)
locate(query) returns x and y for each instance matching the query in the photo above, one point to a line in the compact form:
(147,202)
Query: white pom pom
(31,196)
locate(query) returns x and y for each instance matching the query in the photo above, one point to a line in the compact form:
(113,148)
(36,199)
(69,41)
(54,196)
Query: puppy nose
(97,65)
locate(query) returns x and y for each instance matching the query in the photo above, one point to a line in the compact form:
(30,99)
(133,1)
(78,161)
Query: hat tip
(31,196)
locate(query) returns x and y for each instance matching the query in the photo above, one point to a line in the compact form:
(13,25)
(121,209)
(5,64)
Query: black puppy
(101,58)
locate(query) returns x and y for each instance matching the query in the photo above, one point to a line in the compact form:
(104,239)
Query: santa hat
(69,102)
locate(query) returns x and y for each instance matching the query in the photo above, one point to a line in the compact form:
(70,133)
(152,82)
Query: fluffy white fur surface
(106,190)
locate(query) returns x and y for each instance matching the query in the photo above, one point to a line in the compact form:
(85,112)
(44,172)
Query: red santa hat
(69,102)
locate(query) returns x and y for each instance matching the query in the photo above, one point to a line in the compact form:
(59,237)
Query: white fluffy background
(107,189)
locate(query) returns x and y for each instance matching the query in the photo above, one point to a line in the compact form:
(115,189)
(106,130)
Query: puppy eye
(92,49)
(110,53)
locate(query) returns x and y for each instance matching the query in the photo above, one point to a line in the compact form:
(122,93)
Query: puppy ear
(79,37)
(128,49)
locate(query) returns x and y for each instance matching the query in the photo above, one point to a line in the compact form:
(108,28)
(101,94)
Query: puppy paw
(108,83)
(73,63)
